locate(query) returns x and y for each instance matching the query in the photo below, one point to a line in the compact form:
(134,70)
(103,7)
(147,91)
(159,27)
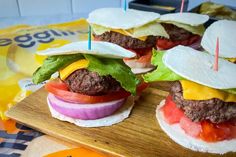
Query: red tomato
(171,112)
(60,90)
(165,44)
(191,128)
(215,132)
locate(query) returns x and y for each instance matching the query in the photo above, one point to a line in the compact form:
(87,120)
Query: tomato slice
(165,44)
(60,90)
(204,130)
(171,112)
(191,128)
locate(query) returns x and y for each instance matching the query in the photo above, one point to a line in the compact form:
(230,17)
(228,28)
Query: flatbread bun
(198,66)
(117,117)
(225,30)
(178,135)
(100,48)
(192,19)
(117,18)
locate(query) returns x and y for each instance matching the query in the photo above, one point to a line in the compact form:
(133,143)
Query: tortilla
(117,117)
(117,18)
(100,48)
(178,135)
(225,30)
(192,19)
(198,66)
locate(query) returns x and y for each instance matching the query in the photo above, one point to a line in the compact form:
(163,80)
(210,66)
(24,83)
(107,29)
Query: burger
(94,87)
(200,111)
(225,31)
(134,30)
(181,29)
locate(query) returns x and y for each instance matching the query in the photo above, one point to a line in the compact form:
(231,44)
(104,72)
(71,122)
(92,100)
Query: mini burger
(181,29)
(200,111)
(94,88)
(225,31)
(132,29)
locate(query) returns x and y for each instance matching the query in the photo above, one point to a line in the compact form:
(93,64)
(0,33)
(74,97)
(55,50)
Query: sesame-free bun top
(192,19)
(225,31)
(198,66)
(117,18)
(99,48)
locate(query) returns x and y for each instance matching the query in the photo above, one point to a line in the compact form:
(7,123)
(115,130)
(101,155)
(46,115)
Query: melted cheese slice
(127,33)
(64,73)
(195,91)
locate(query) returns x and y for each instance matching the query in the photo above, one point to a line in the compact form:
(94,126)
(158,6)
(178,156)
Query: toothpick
(182,6)
(216,66)
(125,5)
(89,38)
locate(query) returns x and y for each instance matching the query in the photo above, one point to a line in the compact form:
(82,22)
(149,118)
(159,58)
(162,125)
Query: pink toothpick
(216,66)
(182,6)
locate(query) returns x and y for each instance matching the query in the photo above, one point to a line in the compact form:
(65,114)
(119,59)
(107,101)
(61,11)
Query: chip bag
(18,60)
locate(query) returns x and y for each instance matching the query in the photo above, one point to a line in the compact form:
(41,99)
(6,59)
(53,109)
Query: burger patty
(90,83)
(127,41)
(176,33)
(215,110)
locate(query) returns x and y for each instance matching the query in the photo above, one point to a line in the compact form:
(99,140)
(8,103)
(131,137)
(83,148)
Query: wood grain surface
(138,136)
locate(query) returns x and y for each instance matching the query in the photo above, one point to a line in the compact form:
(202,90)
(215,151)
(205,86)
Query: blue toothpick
(125,5)
(89,38)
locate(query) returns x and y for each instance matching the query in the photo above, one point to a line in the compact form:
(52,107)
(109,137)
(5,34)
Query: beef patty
(126,41)
(176,33)
(215,110)
(90,83)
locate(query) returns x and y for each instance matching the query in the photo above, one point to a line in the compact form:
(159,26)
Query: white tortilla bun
(120,115)
(117,18)
(192,19)
(225,30)
(100,48)
(177,134)
(198,66)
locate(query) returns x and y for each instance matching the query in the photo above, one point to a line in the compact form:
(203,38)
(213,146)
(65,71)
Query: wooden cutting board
(138,136)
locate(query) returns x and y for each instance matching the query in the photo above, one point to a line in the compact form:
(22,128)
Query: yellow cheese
(64,73)
(194,91)
(233,60)
(124,32)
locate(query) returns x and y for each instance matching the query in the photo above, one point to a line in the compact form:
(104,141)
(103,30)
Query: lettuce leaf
(162,73)
(116,68)
(199,30)
(103,66)
(52,64)
(231,91)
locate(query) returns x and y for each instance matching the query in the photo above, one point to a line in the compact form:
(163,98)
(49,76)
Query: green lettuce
(199,30)
(116,68)
(103,66)
(52,64)
(161,73)
(232,91)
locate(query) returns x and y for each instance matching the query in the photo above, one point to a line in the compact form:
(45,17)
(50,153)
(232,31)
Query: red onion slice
(84,111)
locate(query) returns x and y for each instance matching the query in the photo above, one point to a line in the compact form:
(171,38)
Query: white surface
(178,135)
(186,18)
(117,18)
(198,66)
(9,8)
(225,30)
(45,7)
(117,117)
(100,48)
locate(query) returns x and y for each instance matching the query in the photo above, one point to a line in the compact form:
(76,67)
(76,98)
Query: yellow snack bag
(18,60)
